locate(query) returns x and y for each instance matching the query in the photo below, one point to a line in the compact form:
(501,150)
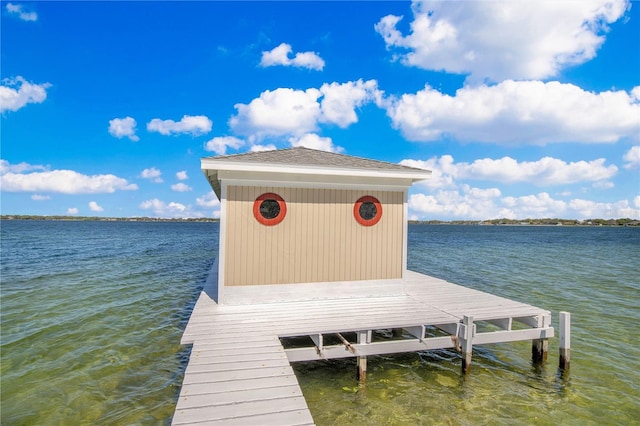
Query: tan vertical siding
(319,239)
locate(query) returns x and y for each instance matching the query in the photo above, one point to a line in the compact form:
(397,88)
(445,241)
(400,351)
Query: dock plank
(230,364)
(232,375)
(212,358)
(289,408)
(238,385)
(236,397)
(291,418)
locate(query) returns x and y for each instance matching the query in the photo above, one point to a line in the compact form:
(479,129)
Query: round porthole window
(269,209)
(367,210)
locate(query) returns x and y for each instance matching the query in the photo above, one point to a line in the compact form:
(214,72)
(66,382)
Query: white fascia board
(313,181)
(313,170)
(222,243)
(405,231)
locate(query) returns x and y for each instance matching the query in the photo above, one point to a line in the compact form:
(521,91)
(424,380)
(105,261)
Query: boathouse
(313,246)
(301,215)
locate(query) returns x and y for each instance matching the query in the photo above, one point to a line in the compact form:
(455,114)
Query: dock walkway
(239,372)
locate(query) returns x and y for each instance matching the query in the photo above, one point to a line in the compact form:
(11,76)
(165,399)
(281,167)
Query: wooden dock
(239,372)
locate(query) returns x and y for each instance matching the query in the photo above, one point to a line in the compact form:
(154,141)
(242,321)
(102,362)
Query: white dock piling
(364,337)
(565,340)
(540,347)
(465,338)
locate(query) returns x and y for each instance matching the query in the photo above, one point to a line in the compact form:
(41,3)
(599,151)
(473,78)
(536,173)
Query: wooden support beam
(565,340)
(465,337)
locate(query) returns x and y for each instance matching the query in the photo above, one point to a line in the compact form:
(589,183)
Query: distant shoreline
(492,222)
(104,219)
(534,222)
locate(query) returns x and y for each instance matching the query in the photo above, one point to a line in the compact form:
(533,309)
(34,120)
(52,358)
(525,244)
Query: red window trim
(269,196)
(356,210)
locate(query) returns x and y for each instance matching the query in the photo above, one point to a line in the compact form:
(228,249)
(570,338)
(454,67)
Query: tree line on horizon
(105,219)
(541,221)
(502,221)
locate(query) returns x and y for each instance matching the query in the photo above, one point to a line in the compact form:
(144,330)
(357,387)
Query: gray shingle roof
(311,157)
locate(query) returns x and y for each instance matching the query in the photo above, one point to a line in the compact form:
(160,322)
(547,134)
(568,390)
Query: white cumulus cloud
(547,171)
(587,209)
(285,111)
(544,172)
(195,125)
(340,100)
(169,210)
(517,113)
(6,167)
(465,202)
(17,92)
(72,211)
(499,40)
(632,158)
(280,56)
(95,207)
(451,196)
(180,187)
(535,206)
(220,144)
(182,175)
(123,127)
(153,174)
(313,141)
(15,179)
(278,112)
(210,201)
(468,203)
(18,9)
(161,208)
(262,148)
(38,197)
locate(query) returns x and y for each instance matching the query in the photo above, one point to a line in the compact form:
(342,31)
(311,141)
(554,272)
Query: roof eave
(415,175)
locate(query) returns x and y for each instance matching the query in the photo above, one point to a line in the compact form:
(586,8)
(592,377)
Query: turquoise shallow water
(92,314)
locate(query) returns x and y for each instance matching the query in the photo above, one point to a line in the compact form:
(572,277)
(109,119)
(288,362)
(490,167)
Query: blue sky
(521,109)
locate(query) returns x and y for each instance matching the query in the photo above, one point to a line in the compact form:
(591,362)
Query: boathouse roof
(293,163)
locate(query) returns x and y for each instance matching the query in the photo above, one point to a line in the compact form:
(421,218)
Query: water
(92,314)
